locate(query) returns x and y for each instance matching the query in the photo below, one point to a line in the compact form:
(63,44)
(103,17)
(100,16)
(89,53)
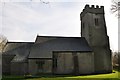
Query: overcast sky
(22,20)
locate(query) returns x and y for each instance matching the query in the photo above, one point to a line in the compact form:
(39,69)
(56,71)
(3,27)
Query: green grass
(110,76)
(115,74)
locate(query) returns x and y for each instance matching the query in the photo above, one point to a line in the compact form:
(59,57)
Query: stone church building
(88,54)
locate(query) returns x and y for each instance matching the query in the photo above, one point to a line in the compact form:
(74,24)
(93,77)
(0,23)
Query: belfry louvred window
(96,22)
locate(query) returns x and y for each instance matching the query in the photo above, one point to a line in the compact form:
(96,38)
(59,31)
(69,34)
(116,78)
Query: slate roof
(13,45)
(45,49)
(19,49)
(41,39)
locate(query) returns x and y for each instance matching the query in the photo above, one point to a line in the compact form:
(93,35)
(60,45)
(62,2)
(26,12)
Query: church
(88,54)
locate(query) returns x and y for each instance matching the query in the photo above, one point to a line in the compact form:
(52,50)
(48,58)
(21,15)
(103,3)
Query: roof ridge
(59,36)
(18,42)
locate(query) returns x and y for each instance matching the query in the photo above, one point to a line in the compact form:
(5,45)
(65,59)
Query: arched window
(96,22)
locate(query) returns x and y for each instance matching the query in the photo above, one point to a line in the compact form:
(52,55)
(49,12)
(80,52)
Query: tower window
(96,22)
(83,25)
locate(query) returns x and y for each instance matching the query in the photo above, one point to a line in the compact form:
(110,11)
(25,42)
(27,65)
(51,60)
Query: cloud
(22,21)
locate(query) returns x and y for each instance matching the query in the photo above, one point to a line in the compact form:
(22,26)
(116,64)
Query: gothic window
(96,22)
(55,57)
(55,60)
(40,65)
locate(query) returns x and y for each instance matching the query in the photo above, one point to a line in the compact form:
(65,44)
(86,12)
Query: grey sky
(22,21)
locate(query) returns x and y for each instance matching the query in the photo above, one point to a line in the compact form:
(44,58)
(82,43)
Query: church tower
(93,28)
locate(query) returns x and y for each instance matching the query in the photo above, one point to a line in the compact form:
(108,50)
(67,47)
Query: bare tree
(115,59)
(119,59)
(3,41)
(45,2)
(115,7)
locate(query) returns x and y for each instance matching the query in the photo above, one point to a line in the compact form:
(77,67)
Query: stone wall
(6,64)
(86,62)
(103,62)
(19,68)
(67,64)
(36,67)
(32,67)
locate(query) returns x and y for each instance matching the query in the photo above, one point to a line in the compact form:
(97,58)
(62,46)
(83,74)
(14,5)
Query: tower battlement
(92,9)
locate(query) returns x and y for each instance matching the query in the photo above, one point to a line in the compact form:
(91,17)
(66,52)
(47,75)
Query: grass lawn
(111,76)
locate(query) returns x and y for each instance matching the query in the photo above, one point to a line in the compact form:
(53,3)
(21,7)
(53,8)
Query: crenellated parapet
(92,9)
